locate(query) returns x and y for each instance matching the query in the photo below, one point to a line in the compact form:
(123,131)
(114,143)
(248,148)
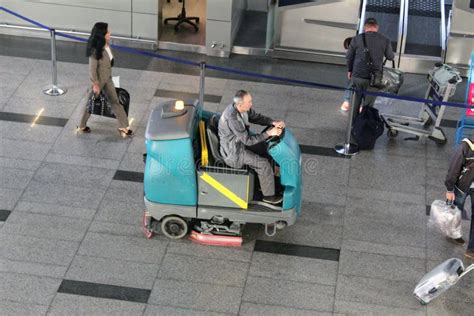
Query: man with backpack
(459,184)
(364,58)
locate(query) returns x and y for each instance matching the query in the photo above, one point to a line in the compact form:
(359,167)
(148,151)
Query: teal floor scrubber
(189,190)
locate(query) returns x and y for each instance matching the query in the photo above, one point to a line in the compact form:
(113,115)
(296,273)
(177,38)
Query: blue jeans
(459,201)
(348,91)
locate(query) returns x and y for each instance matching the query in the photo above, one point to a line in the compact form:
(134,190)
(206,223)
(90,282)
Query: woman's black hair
(96,41)
(347,42)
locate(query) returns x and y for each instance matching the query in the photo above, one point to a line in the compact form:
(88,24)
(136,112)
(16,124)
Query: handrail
(401,27)
(404,17)
(443,28)
(362,16)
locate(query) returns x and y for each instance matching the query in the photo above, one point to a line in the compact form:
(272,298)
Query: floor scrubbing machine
(189,190)
(442,80)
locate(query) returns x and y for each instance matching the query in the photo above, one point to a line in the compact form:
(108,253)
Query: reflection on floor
(186,33)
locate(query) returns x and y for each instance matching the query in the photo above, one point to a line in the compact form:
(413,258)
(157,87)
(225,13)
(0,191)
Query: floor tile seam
(25,274)
(37,237)
(385,255)
(49,214)
(86,231)
(23,303)
(67,186)
(252,252)
(377,277)
(389,306)
(25,140)
(207,258)
(284,306)
(284,278)
(115,259)
(79,156)
(293,281)
(339,266)
(157,273)
(34,174)
(190,309)
(382,244)
(33,262)
(198,282)
(30,275)
(68,165)
(289,306)
(19,85)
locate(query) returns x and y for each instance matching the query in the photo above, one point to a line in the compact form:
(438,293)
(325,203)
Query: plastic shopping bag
(447,218)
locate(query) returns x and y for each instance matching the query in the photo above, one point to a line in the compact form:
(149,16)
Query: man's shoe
(274,199)
(457,241)
(470,255)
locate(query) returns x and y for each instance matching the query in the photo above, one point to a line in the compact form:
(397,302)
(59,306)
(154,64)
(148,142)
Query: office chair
(182,18)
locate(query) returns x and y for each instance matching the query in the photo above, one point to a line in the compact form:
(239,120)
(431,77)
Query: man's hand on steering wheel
(274,131)
(279,124)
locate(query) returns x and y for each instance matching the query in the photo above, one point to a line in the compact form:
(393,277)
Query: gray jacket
(379,47)
(100,70)
(234,133)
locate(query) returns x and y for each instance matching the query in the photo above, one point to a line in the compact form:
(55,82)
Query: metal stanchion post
(202,67)
(348,149)
(54,89)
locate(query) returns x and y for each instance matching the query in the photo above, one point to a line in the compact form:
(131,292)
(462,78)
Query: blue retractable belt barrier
(243,72)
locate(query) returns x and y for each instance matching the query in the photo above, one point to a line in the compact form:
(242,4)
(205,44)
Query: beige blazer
(100,70)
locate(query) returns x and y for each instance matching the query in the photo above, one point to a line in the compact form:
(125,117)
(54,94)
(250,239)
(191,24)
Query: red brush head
(215,240)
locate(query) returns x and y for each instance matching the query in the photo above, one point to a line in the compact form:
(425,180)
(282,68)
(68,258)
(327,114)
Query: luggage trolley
(442,80)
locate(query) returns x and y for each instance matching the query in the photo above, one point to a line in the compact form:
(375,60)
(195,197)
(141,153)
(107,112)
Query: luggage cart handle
(467,270)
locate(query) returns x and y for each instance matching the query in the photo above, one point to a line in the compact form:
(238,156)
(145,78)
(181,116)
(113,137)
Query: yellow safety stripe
(223,190)
(204,152)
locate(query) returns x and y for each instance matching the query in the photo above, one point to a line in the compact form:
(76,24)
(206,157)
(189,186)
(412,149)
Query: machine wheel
(174,227)
(392,133)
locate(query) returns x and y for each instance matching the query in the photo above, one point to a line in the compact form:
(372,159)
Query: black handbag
(376,76)
(98,104)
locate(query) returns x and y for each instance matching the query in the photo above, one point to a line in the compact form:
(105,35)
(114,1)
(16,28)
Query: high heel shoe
(83,129)
(125,132)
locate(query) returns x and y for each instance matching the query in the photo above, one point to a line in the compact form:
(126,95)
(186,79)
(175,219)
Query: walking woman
(101,61)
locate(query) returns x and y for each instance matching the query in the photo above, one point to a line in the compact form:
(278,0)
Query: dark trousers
(459,201)
(360,99)
(255,157)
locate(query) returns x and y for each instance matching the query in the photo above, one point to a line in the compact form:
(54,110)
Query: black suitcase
(100,105)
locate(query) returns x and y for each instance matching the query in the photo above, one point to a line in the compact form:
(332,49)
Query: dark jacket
(234,133)
(379,47)
(461,167)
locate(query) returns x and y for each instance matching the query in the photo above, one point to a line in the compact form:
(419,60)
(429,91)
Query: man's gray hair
(239,96)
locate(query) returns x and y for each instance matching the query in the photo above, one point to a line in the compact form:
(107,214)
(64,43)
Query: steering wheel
(273,140)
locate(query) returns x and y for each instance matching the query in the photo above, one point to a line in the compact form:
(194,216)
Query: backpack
(465,178)
(368,126)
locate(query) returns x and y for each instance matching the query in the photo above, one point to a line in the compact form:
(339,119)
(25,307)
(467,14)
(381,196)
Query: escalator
(417,29)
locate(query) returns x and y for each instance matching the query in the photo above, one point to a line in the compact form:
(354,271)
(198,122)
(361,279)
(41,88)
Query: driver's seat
(212,136)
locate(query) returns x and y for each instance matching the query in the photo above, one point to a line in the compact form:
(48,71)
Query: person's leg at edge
(117,108)
(459,201)
(347,97)
(85,117)
(470,246)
